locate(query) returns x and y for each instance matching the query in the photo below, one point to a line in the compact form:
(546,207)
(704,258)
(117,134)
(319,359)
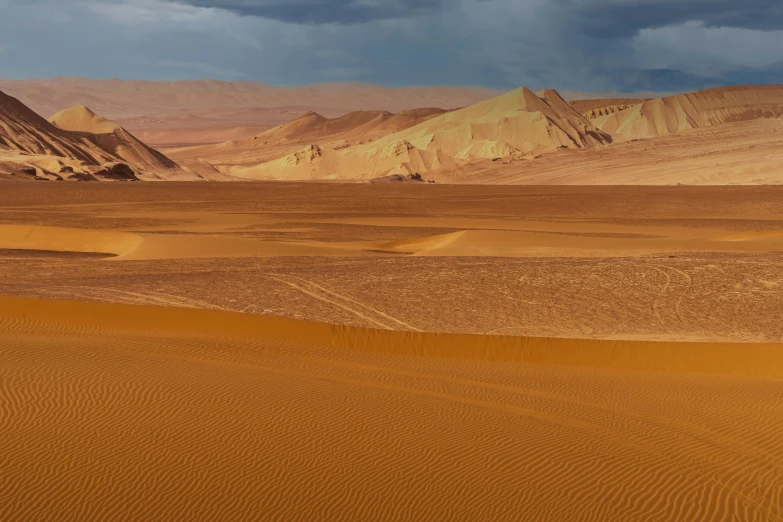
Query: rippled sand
(116,412)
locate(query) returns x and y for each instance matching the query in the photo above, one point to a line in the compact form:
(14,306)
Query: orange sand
(114,412)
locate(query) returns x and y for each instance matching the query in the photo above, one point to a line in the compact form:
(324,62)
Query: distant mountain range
(705,77)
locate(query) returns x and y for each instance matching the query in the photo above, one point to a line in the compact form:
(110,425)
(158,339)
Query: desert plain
(628,365)
(575,322)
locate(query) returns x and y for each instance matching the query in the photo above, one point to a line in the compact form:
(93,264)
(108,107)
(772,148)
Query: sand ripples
(169,415)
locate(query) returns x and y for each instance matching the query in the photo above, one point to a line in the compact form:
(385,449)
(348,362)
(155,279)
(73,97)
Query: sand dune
(311,352)
(588,104)
(517,123)
(605,111)
(482,144)
(187,113)
(128,246)
(494,141)
(315,126)
(739,153)
(518,137)
(336,133)
(208,235)
(23,132)
(115,140)
(488,239)
(127,413)
(420,244)
(663,116)
(76,144)
(60,239)
(717,136)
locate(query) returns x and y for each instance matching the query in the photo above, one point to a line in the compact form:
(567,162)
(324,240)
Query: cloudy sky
(567,44)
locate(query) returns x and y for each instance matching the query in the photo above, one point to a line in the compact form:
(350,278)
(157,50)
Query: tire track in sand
(364,305)
(152,298)
(656,303)
(332,302)
(688,285)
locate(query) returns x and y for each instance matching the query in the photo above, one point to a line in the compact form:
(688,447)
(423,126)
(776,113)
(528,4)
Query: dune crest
(587,107)
(60,239)
(76,144)
(490,142)
(24,131)
(115,140)
(368,123)
(664,116)
(516,123)
(82,119)
(605,111)
(351,129)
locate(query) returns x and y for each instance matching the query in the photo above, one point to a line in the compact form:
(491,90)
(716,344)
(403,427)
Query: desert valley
(231,301)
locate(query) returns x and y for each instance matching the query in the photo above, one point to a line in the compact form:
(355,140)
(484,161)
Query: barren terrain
(626,262)
(113,412)
(260,351)
(232,301)
(723,136)
(209,111)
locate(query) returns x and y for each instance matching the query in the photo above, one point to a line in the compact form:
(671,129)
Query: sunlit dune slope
(336,133)
(184,113)
(59,239)
(736,153)
(76,144)
(479,238)
(593,108)
(604,111)
(486,142)
(114,139)
(24,133)
(516,123)
(663,116)
(315,126)
(114,412)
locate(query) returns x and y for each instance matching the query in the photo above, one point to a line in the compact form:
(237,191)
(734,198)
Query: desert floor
(676,263)
(326,400)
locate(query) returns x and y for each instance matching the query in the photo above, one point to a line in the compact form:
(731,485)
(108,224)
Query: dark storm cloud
(324,11)
(624,18)
(600,18)
(595,45)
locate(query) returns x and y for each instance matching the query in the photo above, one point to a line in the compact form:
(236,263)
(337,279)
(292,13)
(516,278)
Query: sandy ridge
(760,360)
(75,144)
